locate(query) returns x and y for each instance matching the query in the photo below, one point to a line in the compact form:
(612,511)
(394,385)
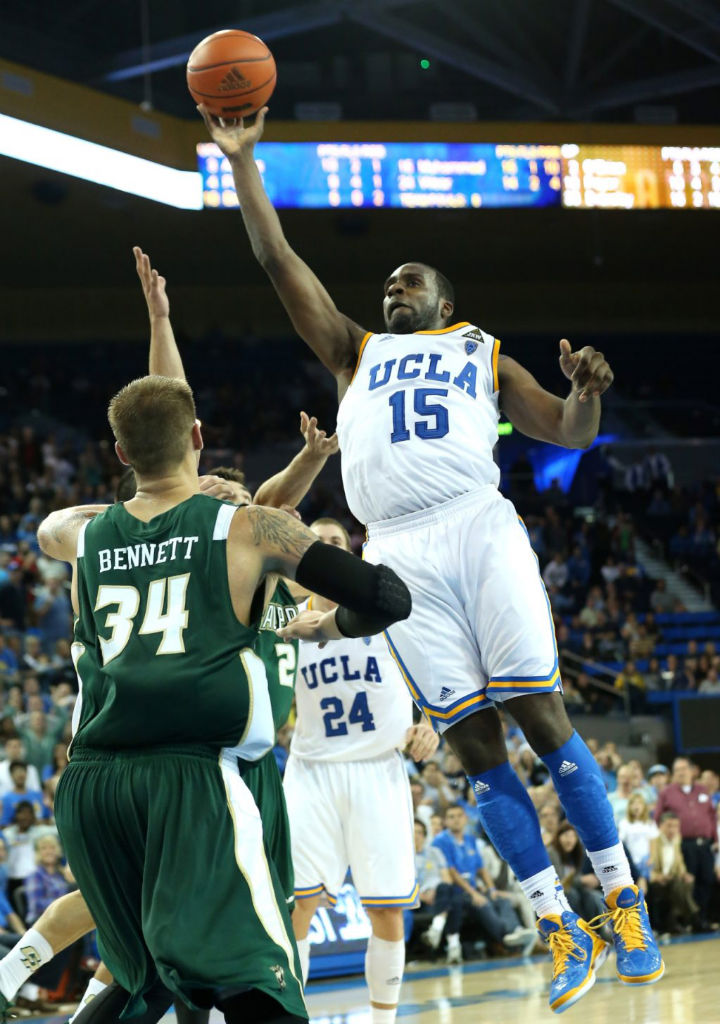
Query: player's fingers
(260,119)
(565,348)
(207,481)
(303,422)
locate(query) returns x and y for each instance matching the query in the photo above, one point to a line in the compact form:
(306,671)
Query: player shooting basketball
(417,425)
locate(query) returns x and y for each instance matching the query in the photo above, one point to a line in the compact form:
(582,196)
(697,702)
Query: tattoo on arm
(274,529)
(58,533)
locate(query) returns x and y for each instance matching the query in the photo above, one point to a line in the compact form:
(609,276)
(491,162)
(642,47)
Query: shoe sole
(569,1001)
(646,979)
(601,957)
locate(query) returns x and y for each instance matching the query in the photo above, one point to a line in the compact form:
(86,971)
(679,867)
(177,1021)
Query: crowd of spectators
(668,821)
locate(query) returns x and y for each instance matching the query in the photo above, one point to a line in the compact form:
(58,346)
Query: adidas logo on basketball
(446,692)
(234,80)
(567,768)
(480,788)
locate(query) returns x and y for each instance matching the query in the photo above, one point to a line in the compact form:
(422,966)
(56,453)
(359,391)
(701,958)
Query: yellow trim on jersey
(495,354)
(379,901)
(363,343)
(446,330)
(525,684)
(477,698)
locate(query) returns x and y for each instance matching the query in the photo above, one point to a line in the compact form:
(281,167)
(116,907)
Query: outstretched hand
(231,135)
(152,284)
(316,441)
(587,369)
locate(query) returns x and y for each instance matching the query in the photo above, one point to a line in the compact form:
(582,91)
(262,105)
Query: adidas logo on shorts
(480,788)
(567,768)
(536,895)
(446,692)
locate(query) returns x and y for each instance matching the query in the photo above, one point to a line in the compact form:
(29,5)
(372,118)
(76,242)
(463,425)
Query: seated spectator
(59,762)
(611,570)
(33,659)
(550,817)
(643,644)
(623,791)
(658,777)
(555,573)
(454,773)
(437,790)
(8,661)
(711,781)
(15,751)
(20,841)
(54,613)
(568,857)
(422,808)
(661,601)
(11,925)
(50,880)
(670,898)
(13,602)
(437,893)
(685,680)
(574,701)
(698,830)
(652,677)
(530,768)
(19,793)
(632,685)
(578,570)
(636,831)
(482,902)
(40,734)
(436,825)
(639,783)
(711,682)
(607,770)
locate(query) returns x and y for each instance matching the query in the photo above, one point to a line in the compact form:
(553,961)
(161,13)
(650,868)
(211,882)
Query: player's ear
(121,454)
(197,437)
(446,309)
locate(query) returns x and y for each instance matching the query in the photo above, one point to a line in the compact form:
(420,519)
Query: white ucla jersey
(418,424)
(352,703)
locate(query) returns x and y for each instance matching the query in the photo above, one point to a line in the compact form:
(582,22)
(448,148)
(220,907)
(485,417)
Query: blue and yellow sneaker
(639,961)
(577,953)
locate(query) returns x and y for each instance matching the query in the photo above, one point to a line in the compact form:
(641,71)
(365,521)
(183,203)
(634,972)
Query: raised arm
(290,485)
(333,337)
(262,540)
(164,354)
(572,422)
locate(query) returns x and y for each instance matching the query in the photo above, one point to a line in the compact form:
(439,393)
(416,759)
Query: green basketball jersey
(280,657)
(160,655)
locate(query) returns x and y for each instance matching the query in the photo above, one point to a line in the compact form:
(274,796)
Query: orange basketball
(232,73)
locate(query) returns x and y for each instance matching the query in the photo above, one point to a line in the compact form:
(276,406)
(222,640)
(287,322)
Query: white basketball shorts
(357,815)
(481,629)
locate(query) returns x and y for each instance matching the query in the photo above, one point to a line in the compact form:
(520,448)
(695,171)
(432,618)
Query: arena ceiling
(618,60)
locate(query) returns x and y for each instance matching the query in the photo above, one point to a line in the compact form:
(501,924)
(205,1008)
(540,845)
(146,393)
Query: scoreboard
(419,175)
(641,177)
(459,175)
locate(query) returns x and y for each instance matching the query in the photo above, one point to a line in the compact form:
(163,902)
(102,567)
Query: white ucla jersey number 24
(418,423)
(352,702)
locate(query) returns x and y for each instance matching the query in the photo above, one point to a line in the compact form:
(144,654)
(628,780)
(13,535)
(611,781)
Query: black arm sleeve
(371,597)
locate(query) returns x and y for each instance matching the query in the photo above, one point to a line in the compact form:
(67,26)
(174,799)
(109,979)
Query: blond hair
(152,418)
(644,813)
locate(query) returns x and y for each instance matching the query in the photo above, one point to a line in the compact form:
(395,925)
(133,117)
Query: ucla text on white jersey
(418,424)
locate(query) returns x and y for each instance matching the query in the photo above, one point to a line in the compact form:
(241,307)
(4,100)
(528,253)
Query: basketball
(232,73)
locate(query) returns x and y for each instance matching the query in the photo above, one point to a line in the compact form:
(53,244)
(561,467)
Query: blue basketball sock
(582,793)
(510,820)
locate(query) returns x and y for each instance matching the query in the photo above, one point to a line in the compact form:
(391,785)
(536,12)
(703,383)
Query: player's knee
(387,922)
(478,741)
